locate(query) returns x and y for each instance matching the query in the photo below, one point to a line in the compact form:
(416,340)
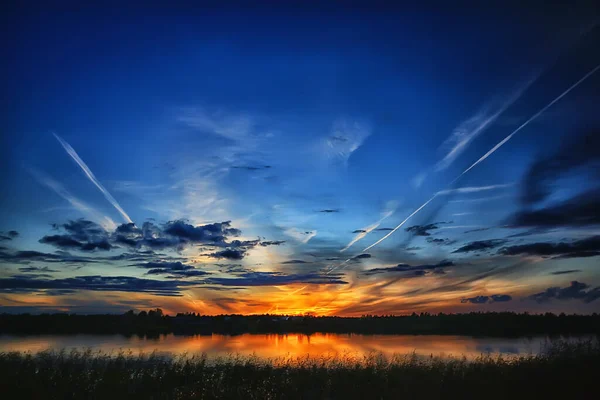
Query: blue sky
(129,141)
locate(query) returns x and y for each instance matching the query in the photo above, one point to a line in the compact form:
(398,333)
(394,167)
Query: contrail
(91,177)
(44,179)
(486,155)
(524,124)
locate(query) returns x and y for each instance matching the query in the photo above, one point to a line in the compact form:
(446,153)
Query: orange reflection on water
(278,346)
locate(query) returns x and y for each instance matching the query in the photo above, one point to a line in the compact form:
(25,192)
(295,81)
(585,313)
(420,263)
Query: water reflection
(288,345)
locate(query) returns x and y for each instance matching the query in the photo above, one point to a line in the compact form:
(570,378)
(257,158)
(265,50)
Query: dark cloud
(589,247)
(477,230)
(272,243)
(295,262)
(480,245)
(205,233)
(275,278)
(580,210)
(422,230)
(163,267)
(330,210)
(413,248)
(68,242)
(229,254)
(495,298)
(359,231)
(26,256)
(94,283)
(440,241)
(384,229)
(564,272)
(416,270)
(251,168)
(582,155)
(45,270)
(10,235)
(361,256)
(80,235)
(575,291)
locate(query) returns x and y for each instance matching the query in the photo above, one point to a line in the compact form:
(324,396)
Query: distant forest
(154,322)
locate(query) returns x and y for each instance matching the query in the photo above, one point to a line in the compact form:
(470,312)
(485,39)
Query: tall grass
(567,370)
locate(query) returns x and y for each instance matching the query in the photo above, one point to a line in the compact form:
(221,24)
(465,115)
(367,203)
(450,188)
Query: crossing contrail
(524,124)
(486,155)
(71,151)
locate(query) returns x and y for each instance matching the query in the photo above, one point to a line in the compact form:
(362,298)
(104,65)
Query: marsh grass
(562,370)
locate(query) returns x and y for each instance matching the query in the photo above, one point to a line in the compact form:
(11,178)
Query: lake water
(277,346)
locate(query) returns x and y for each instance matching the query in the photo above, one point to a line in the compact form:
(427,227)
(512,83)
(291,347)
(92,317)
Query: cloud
(276,279)
(67,242)
(384,229)
(330,210)
(229,254)
(272,243)
(302,236)
(59,189)
(524,124)
(37,269)
(92,177)
(26,256)
(422,230)
(440,241)
(581,154)
(94,283)
(417,270)
(81,235)
(575,291)
(361,233)
(474,189)
(564,272)
(361,256)
(10,235)
(469,129)
(295,262)
(480,245)
(178,234)
(251,168)
(580,210)
(589,247)
(495,298)
(345,138)
(174,269)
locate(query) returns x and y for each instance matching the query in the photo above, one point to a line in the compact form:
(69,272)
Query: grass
(563,370)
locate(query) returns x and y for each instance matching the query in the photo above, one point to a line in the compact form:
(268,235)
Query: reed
(563,369)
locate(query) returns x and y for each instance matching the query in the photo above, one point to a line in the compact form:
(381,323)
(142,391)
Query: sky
(339,159)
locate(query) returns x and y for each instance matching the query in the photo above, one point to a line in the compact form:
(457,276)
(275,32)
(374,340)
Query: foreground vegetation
(154,323)
(563,371)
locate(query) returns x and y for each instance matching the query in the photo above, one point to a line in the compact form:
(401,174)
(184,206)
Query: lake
(281,345)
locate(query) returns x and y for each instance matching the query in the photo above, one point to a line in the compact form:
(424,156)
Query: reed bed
(563,370)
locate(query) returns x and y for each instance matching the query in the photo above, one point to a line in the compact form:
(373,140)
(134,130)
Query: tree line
(155,322)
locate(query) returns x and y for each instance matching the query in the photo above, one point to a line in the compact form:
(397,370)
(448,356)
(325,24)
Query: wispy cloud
(496,147)
(92,177)
(345,138)
(533,117)
(361,233)
(475,189)
(300,235)
(469,129)
(44,179)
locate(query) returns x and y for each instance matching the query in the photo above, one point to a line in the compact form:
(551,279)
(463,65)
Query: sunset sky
(300,159)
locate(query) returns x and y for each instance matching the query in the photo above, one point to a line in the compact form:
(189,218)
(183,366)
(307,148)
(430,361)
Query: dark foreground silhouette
(150,323)
(564,371)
